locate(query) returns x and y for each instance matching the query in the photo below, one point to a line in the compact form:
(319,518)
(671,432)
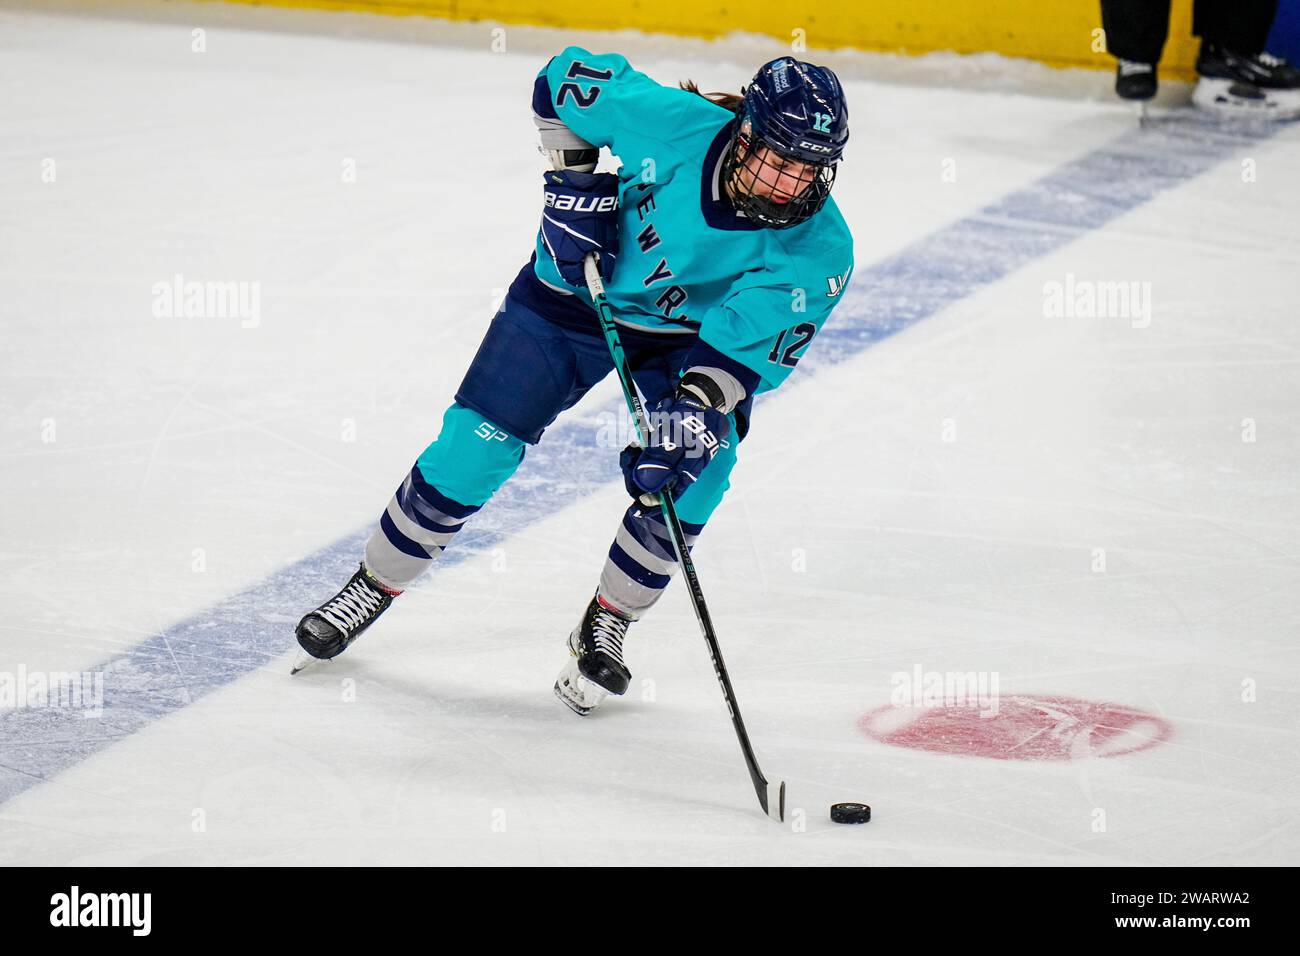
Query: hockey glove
(580,216)
(685,434)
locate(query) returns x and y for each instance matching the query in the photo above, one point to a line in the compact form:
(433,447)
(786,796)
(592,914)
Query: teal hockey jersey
(688,262)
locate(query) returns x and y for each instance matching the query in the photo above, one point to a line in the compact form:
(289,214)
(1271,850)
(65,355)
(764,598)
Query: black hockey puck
(850,812)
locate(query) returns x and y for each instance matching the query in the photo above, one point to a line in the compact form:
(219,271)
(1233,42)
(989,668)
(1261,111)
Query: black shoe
(327,631)
(595,667)
(1263,70)
(1135,81)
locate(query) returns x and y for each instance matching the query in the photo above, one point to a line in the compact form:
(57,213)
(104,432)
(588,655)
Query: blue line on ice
(241,634)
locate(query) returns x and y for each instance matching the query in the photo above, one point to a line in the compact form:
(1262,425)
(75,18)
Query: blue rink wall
(1284,40)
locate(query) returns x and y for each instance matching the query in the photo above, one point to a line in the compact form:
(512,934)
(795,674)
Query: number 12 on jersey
(788,353)
(583,98)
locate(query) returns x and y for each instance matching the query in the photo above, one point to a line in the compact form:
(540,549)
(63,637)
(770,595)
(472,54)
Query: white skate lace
(351,606)
(1129,68)
(1268,59)
(607,633)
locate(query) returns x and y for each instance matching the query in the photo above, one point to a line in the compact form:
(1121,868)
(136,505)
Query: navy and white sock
(413,531)
(641,560)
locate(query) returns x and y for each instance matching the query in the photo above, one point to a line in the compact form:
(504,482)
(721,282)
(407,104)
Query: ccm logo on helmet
(582,203)
(815,147)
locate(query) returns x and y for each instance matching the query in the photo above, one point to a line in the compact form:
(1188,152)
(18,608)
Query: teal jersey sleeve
(606,102)
(771,318)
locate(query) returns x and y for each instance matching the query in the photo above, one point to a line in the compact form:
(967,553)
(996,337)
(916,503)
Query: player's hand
(580,216)
(685,434)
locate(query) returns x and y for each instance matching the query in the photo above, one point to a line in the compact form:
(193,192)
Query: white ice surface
(1072,434)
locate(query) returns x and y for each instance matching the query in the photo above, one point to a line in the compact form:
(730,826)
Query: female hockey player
(722,255)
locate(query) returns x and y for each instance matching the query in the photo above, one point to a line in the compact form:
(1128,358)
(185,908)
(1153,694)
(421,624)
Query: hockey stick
(771,796)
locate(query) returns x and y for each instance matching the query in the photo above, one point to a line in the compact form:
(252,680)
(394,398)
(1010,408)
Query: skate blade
(569,702)
(1214,96)
(302,662)
(579,694)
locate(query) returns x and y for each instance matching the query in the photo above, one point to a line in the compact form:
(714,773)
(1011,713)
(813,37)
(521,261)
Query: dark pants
(542,353)
(1137,29)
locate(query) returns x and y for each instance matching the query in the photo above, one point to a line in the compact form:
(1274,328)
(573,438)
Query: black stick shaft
(610,330)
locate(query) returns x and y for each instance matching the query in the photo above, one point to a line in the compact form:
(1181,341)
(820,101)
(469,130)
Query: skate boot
(1135,81)
(327,631)
(1257,85)
(596,667)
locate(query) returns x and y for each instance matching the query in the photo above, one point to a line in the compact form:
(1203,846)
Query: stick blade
(774,802)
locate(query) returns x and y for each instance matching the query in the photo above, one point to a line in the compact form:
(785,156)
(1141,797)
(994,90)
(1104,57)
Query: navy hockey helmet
(790,133)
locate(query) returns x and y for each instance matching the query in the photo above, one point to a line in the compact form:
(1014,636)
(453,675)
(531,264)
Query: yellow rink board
(1061,33)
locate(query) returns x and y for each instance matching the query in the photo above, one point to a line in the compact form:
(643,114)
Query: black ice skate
(327,631)
(1135,81)
(596,667)
(1258,85)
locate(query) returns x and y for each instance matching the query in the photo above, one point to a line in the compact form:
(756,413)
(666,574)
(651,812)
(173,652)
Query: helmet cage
(750,160)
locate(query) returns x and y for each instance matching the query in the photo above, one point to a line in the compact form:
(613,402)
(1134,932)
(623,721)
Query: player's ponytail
(728,101)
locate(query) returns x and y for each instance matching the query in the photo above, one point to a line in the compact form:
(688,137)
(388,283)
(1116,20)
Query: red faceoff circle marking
(1025,727)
